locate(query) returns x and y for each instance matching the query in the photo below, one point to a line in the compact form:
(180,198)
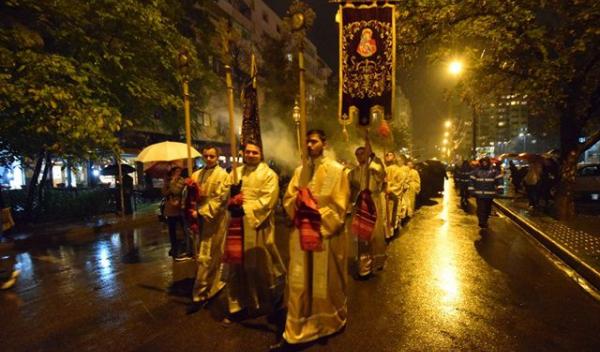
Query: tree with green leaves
(74,73)
(545,50)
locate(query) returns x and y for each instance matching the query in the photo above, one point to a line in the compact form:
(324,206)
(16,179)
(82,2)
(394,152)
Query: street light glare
(455,67)
(448,124)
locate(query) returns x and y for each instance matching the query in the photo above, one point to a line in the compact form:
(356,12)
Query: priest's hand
(234,205)
(236,211)
(238,199)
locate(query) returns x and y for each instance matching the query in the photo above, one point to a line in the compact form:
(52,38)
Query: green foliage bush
(64,204)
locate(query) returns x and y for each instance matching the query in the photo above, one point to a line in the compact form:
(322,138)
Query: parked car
(587,182)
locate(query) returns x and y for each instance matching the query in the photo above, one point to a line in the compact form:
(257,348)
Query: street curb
(582,268)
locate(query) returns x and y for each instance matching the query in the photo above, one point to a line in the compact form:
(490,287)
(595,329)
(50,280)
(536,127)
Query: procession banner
(367,63)
(250,118)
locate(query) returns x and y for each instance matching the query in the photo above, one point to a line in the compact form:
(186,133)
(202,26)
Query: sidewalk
(96,224)
(576,242)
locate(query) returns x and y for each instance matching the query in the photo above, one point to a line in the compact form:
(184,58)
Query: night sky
(324,33)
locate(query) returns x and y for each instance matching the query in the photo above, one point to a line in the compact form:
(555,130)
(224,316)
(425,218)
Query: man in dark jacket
(486,182)
(463,180)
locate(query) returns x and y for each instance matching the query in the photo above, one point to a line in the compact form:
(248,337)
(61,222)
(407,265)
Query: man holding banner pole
(316,199)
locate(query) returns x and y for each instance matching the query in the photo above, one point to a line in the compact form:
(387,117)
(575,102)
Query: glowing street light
(448,124)
(455,67)
(445,141)
(446,134)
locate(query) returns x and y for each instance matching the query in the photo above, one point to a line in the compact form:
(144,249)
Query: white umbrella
(166,151)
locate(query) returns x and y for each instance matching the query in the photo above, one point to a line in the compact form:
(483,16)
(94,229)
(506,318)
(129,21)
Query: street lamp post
(183,59)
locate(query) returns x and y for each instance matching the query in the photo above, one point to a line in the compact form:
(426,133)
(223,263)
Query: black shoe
(281,346)
(196,307)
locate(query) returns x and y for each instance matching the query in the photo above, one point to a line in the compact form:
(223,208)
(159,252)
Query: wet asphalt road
(446,286)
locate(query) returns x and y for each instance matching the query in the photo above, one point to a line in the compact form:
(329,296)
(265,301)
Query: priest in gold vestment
(257,283)
(397,184)
(208,243)
(414,187)
(369,174)
(317,280)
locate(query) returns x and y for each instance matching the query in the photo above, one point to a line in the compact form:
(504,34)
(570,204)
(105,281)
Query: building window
(245,10)
(204,119)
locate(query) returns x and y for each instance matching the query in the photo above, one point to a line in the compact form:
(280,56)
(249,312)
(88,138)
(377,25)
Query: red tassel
(384,129)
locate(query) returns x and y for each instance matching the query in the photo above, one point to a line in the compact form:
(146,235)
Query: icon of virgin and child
(367,46)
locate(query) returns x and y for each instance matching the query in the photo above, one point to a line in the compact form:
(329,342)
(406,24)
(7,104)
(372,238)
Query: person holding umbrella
(164,156)
(173,185)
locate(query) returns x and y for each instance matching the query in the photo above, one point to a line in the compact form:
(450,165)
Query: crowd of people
(539,180)
(484,179)
(338,214)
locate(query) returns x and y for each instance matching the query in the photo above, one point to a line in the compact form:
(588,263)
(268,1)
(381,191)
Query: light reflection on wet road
(446,286)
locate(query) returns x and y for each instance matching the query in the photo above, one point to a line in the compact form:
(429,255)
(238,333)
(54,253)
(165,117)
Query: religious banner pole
(302,101)
(183,59)
(232,137)
(225,37)
(300,18)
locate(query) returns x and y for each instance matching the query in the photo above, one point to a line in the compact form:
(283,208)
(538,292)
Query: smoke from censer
(280,143)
